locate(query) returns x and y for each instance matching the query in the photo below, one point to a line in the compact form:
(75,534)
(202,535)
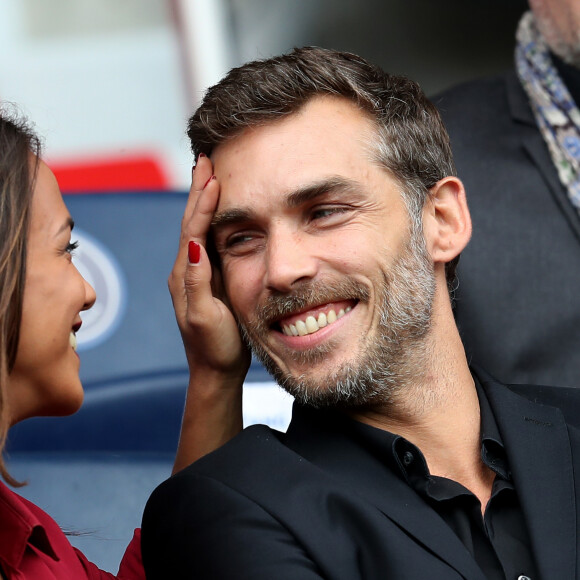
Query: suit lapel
(326,445)
(397,501)
(534,144)
(538,448)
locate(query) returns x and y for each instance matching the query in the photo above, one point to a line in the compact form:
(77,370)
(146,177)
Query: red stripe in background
(137,173)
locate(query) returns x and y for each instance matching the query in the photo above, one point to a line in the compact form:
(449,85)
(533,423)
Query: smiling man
(337,223)
(333,322)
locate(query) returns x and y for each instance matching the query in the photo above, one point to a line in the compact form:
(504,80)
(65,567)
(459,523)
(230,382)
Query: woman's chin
(71,405)
(64,405)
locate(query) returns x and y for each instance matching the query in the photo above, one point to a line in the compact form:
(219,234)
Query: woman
(41,297)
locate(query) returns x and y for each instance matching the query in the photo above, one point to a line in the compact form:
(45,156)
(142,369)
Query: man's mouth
(313,320)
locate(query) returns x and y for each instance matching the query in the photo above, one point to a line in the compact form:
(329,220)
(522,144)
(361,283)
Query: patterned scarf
(557,115)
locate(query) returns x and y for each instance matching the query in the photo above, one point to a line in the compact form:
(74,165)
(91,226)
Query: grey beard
(567,49)
(569,53)
(392,358)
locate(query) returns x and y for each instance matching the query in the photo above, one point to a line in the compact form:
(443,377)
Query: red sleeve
(131,567)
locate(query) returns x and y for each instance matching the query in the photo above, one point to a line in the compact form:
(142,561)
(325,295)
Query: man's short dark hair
(412,145)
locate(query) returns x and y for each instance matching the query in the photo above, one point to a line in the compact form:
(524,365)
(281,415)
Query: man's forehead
(328,144)
(334,110)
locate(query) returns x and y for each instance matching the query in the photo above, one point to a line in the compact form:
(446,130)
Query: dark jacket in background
(518,302)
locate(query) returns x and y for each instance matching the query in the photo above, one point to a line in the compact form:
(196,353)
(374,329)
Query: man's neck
(440,414)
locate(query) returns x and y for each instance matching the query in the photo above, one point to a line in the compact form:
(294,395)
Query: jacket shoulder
(255,448)
(471,96)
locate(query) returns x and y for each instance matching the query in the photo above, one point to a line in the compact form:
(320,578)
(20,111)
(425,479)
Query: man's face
(559,23)
(329,285)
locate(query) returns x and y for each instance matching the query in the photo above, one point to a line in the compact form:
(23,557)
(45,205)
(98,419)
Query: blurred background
(110,86)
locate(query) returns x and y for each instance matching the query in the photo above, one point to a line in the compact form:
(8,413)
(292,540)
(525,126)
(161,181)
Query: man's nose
(290,259)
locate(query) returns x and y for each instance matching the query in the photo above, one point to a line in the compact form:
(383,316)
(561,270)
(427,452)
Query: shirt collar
(20,528)
(493,452)
(406,459)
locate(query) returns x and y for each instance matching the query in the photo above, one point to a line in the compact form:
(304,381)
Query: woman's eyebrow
(68,224)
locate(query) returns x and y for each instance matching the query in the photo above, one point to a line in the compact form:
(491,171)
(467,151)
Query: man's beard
(569,52)
(387,361)
(568,49)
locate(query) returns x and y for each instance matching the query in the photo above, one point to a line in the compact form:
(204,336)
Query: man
(337,227)
(516,144)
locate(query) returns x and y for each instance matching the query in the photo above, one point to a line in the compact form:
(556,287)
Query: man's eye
(240,244)
(238,240)
(324,212)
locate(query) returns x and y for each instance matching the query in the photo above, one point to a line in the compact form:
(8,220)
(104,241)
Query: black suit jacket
(296,506)
(518,302)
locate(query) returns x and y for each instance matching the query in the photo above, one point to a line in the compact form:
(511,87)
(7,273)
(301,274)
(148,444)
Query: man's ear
(446,220)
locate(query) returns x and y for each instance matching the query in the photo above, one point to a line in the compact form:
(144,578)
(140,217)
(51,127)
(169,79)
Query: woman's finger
(202,171)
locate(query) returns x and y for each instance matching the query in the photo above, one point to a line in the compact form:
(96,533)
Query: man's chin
(313,367)
(305,383)
(319,387)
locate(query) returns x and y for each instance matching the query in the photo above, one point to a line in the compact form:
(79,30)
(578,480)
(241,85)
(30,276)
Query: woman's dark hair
(20,150)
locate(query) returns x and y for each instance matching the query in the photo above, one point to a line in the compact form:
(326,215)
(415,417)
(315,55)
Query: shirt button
(524,578)
(408,458)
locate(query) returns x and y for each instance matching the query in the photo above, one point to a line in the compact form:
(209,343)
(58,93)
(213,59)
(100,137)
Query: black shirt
(499,540)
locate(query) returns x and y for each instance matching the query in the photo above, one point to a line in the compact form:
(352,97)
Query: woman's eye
(71,247)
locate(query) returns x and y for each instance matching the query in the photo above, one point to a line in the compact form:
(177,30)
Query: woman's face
(45,378)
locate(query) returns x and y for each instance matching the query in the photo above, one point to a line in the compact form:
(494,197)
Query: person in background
(337,221)
(516,144)
(41,297)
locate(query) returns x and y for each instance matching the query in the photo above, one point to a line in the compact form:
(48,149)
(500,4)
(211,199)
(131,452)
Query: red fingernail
(212,177)
(202,154)
(193,252)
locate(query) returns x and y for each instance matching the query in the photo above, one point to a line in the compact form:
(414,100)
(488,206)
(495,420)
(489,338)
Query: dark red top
(33,547)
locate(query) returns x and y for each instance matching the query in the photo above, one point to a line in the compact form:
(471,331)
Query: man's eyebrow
(296,198)
(310,192)
(230,216)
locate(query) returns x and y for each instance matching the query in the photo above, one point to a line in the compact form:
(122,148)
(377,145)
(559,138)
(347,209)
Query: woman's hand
(217,358)
(207,326)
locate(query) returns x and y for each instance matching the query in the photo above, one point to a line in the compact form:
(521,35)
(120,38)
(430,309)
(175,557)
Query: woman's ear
(446,220)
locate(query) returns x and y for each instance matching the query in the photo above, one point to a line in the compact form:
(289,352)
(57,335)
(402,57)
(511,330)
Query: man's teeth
(73,340)
(311,324)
